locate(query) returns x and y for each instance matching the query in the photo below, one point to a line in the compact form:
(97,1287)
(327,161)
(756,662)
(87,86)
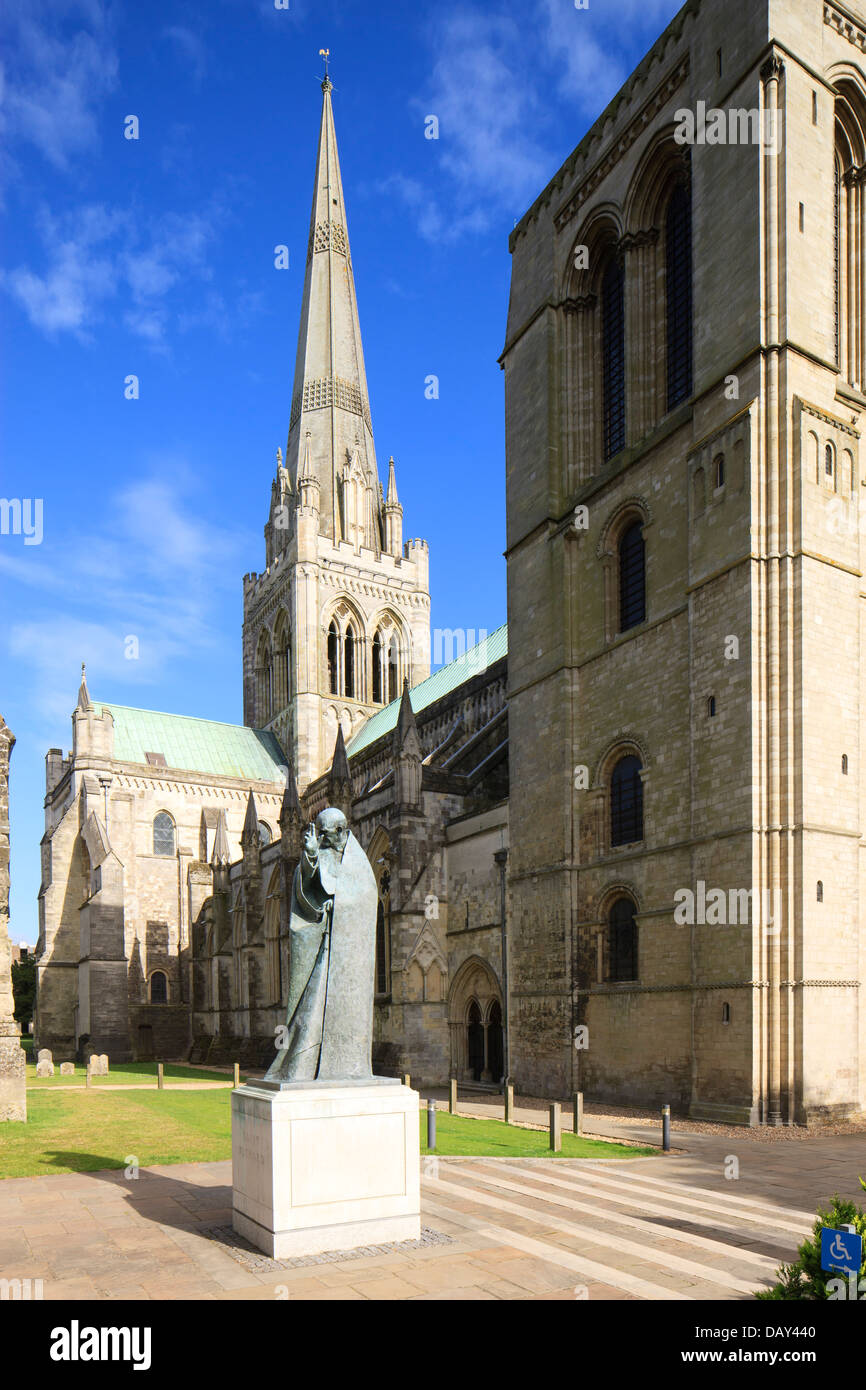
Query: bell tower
(340,617)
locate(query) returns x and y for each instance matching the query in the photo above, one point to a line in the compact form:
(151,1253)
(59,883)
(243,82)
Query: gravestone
(44,1055)
(45,1068)
(103,1064)
(93,1065)
(326,1155)
(13,1085)
(67,1068)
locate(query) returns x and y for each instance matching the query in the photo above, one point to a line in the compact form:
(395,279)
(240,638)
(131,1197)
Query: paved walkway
(659,1228)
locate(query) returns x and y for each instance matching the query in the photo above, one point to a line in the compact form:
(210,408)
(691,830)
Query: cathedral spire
(340,778)
(84,701)
(250,835)
(330,402)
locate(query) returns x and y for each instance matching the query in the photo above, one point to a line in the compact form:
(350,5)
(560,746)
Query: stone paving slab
(510,1230)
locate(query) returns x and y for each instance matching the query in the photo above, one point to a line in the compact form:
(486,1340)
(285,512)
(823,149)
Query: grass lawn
(85,1130)
(81,1131)
(125,1074)
(464,1134)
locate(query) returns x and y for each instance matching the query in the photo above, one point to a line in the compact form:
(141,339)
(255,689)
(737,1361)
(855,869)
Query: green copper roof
(197,745)
(442,682)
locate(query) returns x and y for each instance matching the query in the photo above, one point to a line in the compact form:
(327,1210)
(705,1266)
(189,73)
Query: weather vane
(326,54)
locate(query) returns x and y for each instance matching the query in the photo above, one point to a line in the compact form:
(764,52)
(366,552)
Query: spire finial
(279,458)
(326,54)
(84,701)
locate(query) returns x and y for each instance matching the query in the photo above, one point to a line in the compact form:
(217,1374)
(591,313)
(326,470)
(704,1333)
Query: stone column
(13,1094)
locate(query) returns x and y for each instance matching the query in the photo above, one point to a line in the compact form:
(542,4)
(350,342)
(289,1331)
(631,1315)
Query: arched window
(163,834)
(626,802)
(613,356)
(719,471)
(848,260)
(333,663)
(158,988)
(828,461)
(678,294)
(837,256)
(349,663)
(622,940)
(820,891)
(393,668)
(845,764)
(381,954)
(265,834)
(377,669)
(287,671)
(632,577)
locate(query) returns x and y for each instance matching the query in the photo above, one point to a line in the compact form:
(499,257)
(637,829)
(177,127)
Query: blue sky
(155,257)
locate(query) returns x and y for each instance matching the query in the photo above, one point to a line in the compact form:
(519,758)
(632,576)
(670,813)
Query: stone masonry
(13,1095)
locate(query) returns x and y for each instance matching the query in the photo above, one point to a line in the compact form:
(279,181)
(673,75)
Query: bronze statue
(332,952)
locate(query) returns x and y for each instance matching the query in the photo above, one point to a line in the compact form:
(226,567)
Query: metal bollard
(666,1128)
(452,1095)
(159,1076)
(578,1111)
(431,1124)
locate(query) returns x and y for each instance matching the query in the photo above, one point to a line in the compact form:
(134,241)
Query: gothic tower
(341,615)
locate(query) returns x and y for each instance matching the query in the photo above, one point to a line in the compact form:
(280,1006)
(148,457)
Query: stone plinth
(13,1094)
(325,1165)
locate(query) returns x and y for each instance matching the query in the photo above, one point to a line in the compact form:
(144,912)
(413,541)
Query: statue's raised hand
(311,842)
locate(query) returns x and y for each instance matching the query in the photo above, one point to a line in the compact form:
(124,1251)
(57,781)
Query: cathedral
(622,851)
(171,842)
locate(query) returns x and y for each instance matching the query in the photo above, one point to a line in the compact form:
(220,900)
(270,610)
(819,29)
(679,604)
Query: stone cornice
(623,143)
(846,25)
(826,417)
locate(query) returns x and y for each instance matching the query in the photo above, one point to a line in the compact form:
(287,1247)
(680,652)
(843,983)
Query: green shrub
(805,1279)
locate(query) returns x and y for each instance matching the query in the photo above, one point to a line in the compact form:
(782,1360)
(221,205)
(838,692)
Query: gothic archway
(475,1023)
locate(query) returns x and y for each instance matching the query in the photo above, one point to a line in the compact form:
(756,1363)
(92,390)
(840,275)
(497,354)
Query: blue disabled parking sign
(841,1251)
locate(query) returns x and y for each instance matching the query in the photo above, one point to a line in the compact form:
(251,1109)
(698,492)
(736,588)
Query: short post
(237,1073)
(87,1075)
(407,1080)
(578,1111)
(509,1104)
(452,1095)
(556,1127)
(431,1125)
(666,1128)
(159,1076)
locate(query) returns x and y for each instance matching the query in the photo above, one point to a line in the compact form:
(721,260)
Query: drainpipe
(501,858)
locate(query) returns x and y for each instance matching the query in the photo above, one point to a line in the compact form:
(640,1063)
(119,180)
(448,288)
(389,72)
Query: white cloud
(57,72)
(496,83)
(95,253)
(487,109)
(153,567)
(587,51)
